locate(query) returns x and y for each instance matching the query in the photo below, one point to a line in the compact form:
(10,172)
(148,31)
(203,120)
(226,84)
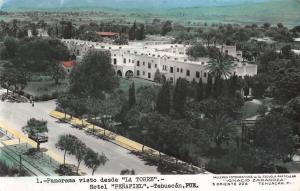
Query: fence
(16,155)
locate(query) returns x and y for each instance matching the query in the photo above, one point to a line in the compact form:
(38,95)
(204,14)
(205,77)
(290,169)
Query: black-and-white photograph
(149,87)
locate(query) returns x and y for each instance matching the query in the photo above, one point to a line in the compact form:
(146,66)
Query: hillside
(273,11)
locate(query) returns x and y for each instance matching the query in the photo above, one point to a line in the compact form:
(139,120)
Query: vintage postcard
(150,95)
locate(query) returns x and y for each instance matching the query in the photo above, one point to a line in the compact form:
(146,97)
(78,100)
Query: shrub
(65,170)
(220,166)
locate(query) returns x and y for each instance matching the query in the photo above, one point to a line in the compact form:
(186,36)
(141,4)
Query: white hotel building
(143,59)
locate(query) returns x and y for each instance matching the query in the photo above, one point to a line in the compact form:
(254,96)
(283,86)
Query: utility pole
(20,165)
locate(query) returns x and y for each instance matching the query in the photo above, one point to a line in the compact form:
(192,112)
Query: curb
(121,141)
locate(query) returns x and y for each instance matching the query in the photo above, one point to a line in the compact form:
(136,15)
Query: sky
(1,2)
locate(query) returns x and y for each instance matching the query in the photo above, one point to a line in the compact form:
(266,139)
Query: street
(16,115)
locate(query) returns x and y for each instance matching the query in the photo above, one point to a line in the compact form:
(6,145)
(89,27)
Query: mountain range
(118,4)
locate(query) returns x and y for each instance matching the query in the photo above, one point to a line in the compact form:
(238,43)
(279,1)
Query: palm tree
(208,36)
(220,65)
(221,128)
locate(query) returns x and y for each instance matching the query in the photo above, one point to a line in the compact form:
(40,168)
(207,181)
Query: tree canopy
(35,128)
(273,133)
(93,160)
(94,76)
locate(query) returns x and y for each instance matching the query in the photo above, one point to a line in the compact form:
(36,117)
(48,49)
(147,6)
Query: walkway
(117,139)
(15,116)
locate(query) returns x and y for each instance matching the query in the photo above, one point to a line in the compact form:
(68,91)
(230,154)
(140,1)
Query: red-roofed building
(68,65)
(108,34)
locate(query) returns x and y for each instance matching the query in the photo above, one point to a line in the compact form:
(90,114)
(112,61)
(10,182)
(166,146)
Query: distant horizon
(192,11)
(118,4)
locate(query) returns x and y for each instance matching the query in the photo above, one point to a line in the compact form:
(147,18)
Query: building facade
(143,59)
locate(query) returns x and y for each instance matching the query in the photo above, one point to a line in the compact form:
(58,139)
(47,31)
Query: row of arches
(128,74)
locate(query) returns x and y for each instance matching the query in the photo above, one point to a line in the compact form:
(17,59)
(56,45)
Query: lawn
(40,88)
(125,83)
(250,108)
(48,87)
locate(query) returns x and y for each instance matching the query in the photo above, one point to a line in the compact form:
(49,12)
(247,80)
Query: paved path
(113,137)
(15,115)
(117,139)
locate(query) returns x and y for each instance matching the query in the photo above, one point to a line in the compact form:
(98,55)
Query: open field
(273,11)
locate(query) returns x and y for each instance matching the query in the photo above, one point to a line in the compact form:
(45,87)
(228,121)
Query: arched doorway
(119,73)
(129,74)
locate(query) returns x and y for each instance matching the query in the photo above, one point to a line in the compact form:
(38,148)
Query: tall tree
(259,85)
(11,46)
(122,40)
(292,109)
(166,27)
(66,144)
(209,86)
(80,150)
(108,107)
(94,160)
(208,36)
(220,66)
(233,85)
(218,88)
(12,79)
(132,31)
(131,99)
(220,128)
(140,33)
(146,98)
(95,76)
(57,72)
(67,29)
(64,102)
(197,51)
(180,95)
(286,83)
(200,90)
(34,30)
(14,27)
(286,52)
(274,135)
(163,103)
(78,107)
(159,77)
(40,55)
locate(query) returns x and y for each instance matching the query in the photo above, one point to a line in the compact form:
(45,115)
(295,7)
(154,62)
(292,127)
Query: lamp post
(144,132)
(20,168)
